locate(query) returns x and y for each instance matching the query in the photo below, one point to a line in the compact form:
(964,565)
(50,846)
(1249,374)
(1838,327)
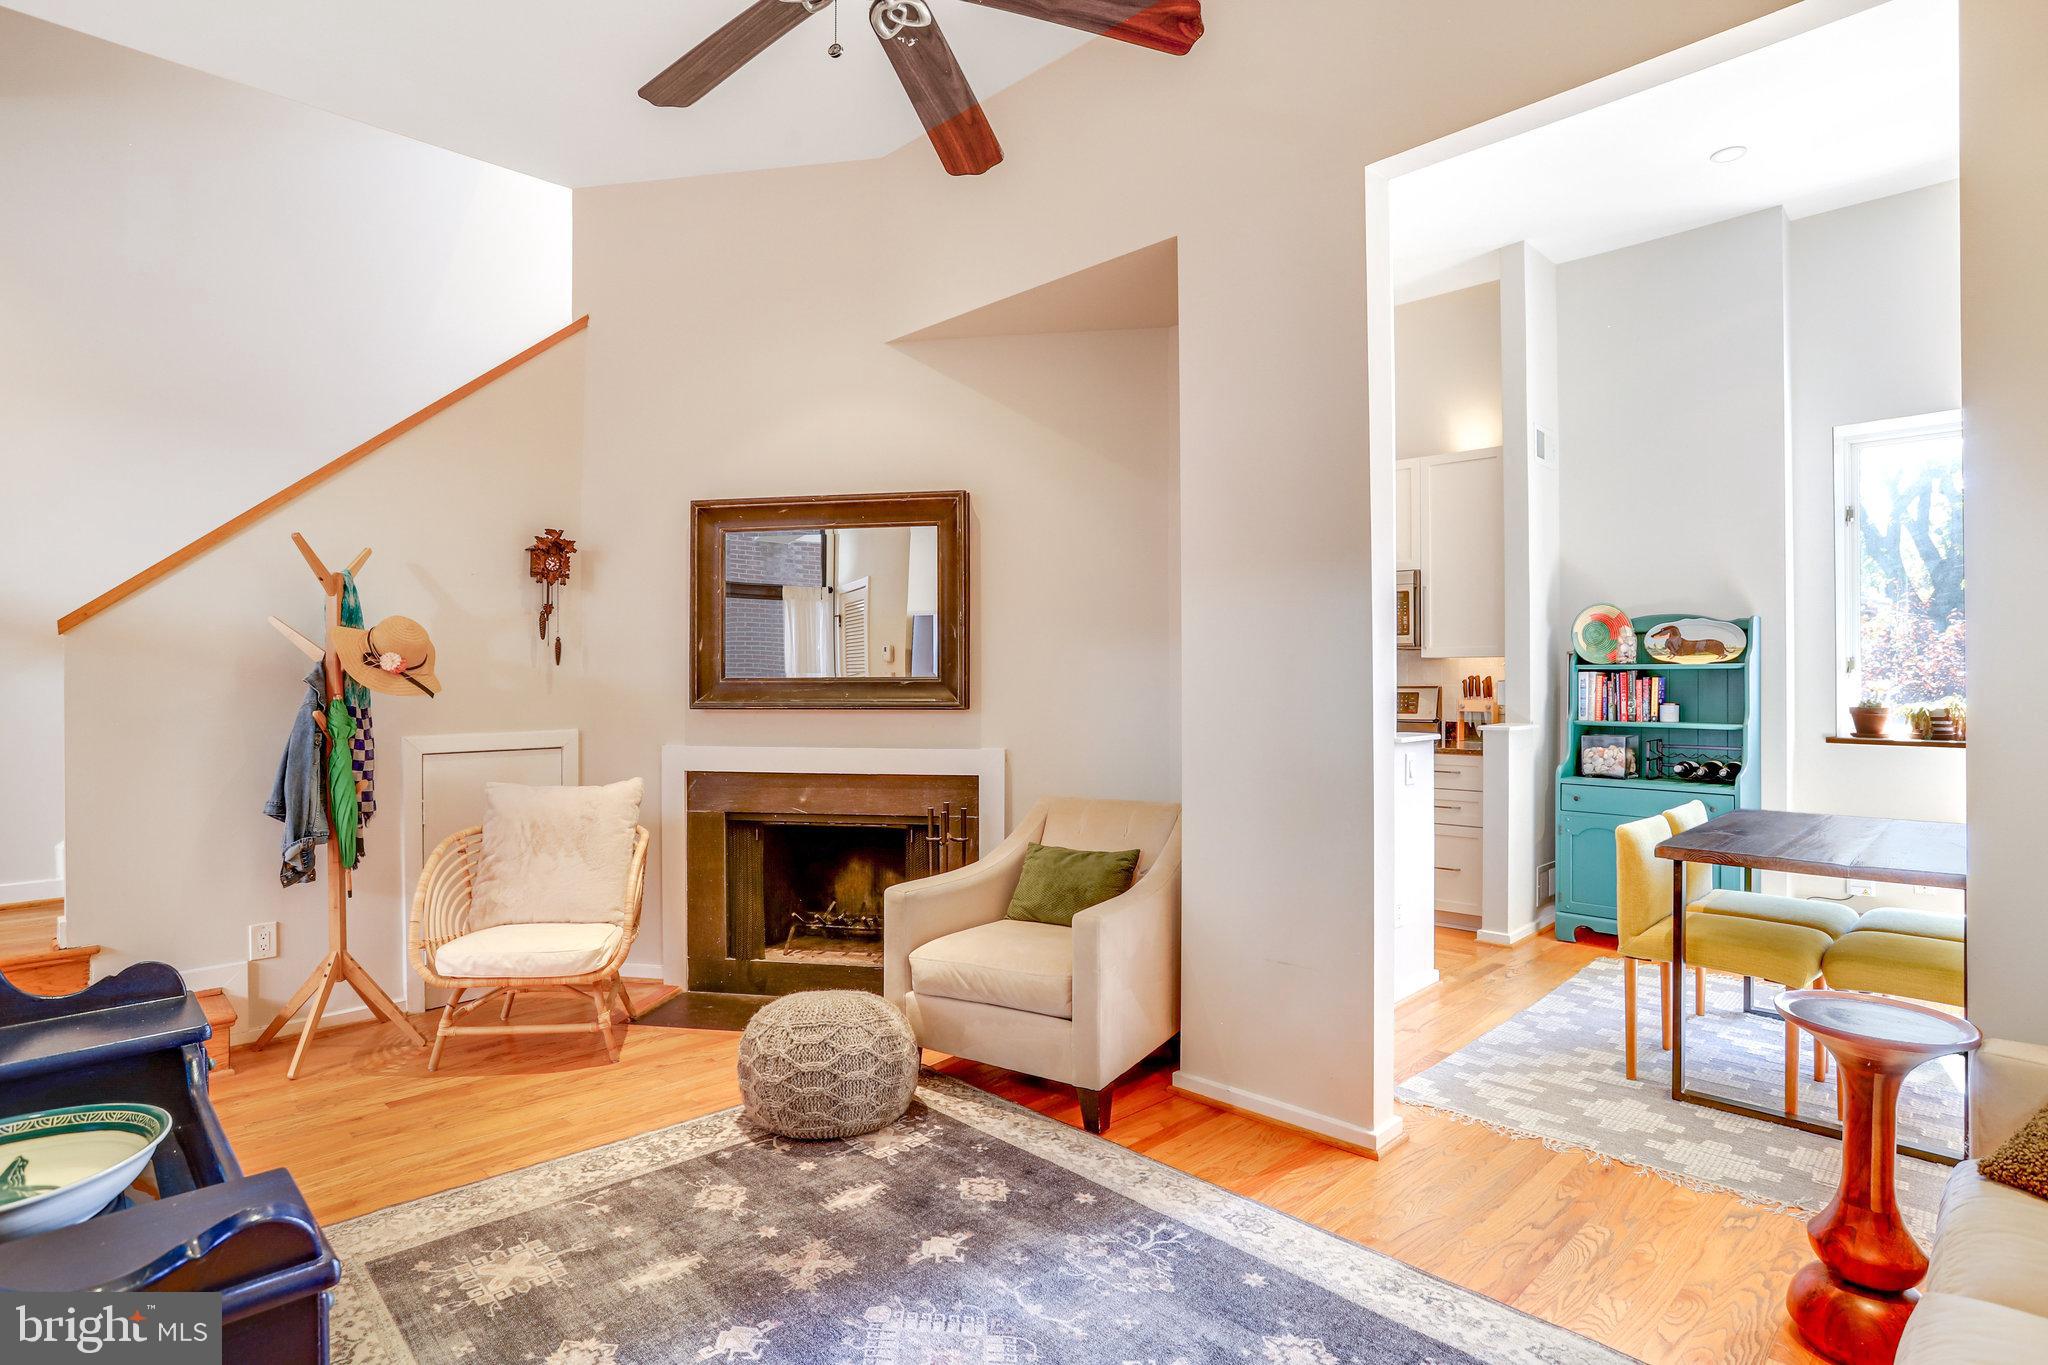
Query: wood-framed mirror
(829,603)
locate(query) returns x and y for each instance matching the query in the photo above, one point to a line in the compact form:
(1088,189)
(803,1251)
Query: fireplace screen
(820,888)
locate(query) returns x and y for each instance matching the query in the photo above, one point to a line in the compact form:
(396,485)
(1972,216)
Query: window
(1899,563)
(758,565)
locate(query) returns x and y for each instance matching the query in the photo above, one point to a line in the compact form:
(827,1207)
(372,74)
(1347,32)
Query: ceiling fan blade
(1163,25)
(704,67)
(937,87)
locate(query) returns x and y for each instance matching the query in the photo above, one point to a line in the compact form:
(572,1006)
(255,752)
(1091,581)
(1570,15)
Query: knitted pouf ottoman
(827,1064)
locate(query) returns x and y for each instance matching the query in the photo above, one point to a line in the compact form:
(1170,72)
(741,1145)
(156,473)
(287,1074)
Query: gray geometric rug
(973,1230)
(1554,1072)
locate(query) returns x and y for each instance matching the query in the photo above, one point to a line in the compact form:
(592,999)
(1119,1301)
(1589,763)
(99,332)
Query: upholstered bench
(1914,953)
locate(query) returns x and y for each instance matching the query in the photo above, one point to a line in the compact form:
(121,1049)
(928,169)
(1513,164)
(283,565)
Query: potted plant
(1870,716)
(1947,721)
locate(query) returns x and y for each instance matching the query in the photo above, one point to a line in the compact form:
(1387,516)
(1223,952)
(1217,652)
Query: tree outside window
(1901,566)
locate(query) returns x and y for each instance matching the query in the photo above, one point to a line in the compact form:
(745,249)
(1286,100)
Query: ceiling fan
(910,34)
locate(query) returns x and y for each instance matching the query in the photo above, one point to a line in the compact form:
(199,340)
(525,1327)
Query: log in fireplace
(786,872)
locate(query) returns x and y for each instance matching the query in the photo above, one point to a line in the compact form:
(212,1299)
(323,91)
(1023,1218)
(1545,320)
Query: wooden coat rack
(339,964)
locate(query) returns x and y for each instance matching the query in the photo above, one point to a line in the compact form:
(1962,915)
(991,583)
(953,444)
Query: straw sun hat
(394,656)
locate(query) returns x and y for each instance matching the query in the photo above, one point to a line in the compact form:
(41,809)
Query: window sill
(1899,742)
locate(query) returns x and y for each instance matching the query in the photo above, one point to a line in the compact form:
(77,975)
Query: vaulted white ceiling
(1851,111)
(549,87)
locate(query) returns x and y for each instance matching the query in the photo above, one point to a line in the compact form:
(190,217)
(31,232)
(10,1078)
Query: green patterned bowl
(62,1166)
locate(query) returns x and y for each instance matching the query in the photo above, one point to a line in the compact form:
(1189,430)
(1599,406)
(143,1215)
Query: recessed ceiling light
(1728,154)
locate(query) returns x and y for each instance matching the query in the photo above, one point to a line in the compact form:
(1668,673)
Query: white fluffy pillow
(555,855)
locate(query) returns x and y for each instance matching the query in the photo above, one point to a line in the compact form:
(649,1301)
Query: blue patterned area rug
(1554,1072)
(971,1231)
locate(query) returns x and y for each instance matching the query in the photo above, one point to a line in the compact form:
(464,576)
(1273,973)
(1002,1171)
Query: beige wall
(740,349)
(206,292)
(2005,407)
(180,698)
(1673,480)
(1447,376)
(1874,308)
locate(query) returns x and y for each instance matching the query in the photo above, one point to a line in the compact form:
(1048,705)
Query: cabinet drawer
(1615,798)
(1464,809)
(1460,773)
(1459,854)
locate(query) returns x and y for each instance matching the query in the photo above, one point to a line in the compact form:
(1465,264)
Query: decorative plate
(62,1166)
(1696,640)
(1603,635)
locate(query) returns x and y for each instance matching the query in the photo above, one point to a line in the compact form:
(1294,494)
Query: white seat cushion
(528,951)
(1014,964)
(1991,1244)
(1948,1329)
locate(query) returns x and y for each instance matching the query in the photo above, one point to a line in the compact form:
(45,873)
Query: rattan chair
(441,914)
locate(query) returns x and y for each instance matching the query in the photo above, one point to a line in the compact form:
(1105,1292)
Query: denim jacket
(299,796)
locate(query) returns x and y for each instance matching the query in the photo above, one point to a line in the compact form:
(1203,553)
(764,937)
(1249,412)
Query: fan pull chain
(835,50)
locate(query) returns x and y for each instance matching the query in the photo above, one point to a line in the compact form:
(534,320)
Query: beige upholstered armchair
(503,961)
(1078,1005)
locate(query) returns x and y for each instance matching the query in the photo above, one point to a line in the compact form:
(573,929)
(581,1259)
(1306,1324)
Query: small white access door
(443,791)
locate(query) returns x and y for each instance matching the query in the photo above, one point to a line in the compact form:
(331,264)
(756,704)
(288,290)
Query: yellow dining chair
(1789,954)
(1702,895)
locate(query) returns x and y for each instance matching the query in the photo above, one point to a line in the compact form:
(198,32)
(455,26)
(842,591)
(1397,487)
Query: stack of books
(1626,696)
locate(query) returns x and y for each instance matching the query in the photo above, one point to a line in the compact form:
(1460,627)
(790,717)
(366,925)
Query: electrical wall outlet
(262,941)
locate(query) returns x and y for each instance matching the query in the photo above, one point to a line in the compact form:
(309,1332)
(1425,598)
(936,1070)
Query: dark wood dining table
(1857,848)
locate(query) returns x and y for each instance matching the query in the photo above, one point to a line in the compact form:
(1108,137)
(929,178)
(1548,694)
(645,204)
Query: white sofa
(1985,1298)
(1078,1005)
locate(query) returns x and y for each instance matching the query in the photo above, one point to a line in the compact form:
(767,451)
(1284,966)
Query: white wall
(2005,406)
(1447,376)
(180,698)
(1876,322)
(1673,477)
(205,292)
(1530,403)
(739,349)
(1064,442)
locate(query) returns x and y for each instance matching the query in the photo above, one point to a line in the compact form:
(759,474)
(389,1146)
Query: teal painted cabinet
(1719,717)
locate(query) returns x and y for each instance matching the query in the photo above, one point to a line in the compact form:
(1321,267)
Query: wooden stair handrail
(178,559)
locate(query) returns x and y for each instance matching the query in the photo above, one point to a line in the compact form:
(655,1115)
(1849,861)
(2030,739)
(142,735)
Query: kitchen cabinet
(1458,521)
(1460,834)
(1415,880)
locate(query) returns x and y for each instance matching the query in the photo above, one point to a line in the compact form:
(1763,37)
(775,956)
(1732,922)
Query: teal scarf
(352,617)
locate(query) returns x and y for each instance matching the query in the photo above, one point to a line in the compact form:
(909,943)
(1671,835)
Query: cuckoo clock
(548,561)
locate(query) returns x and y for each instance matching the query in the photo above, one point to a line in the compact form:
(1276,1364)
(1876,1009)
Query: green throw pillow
(1059,883)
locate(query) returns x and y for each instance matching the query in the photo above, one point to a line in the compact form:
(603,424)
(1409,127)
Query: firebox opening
(822,888)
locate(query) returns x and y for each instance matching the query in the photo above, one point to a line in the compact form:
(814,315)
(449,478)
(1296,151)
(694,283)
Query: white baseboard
(1514,936)
(642,971)
(1308,1121)
(14,893)
(1418,987)
(246,1027)
(232,977)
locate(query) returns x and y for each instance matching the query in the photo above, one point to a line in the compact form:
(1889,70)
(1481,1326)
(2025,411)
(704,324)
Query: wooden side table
(1852,1304)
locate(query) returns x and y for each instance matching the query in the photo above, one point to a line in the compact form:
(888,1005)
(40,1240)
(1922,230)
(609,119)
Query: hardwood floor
(1659,1271)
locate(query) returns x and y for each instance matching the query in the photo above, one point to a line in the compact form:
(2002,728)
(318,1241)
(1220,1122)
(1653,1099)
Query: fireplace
(786,872)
